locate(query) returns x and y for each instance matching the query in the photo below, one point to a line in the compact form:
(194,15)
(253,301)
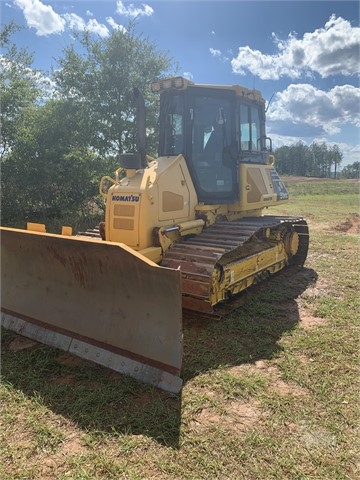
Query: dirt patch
(303,316)
(40,443)
(233,417)
(272,376)
(73,446)
(315,437)
(21,343)
(323,288)
(351,224)
(70,360)
(49,466)
(275,381)
(318,291)
(308,321)
(70,378)
(241,416)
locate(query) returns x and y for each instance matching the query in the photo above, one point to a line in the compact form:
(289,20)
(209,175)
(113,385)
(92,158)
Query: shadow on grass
(106,403)
(251,332)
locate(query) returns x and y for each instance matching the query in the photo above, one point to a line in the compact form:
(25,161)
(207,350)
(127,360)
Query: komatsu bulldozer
(185,230)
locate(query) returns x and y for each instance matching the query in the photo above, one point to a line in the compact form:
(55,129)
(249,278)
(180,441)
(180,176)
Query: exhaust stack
(134,161)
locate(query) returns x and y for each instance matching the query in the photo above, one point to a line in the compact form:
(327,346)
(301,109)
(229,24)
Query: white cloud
(188,75)
(214,52)
(41,17)
(351,153)
(304,108)
(331,50)
(76,22)
(94,26)
(218,54)
(47,22)
(114,25)
(42,81)
(134,11)
(46,84)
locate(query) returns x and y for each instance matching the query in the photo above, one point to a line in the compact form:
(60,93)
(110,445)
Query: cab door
(211,152)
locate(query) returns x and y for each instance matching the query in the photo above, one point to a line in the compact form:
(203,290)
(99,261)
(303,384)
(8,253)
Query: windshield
(211,129)
(200,124)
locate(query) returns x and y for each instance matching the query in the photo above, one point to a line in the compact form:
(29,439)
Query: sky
(304,56)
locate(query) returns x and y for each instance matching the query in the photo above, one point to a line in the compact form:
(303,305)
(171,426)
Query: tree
(320,157)
(100,81)
(55,150)
(50,175)
(19,92)
(351,171)
(293,160)
(315,161)
(336,158)
(299,153)
(19,88)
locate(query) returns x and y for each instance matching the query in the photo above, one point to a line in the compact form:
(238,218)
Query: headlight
(178,83)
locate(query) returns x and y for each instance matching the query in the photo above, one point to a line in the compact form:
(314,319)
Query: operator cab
(216,129)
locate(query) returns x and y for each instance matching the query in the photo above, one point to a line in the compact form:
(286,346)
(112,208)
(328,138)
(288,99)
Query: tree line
(62,131)
(317,160)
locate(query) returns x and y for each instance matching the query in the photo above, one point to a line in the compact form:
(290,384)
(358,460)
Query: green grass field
(271,391)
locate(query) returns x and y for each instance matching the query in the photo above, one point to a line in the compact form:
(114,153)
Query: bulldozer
(188,230)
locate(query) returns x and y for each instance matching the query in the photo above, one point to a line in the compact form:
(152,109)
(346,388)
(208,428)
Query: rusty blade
(100,293)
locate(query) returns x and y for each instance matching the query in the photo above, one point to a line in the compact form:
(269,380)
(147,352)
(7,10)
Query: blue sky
(305,55)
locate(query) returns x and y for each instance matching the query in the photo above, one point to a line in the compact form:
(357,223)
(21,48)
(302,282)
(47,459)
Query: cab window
(250,133)
(174,125)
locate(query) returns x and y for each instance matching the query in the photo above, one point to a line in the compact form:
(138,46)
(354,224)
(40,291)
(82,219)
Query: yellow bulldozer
(185,230)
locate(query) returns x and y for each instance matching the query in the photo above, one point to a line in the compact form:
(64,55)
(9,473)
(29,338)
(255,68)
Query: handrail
(101,191)
(111,180)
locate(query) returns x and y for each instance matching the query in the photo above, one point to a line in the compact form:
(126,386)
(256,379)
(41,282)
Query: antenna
(268,105)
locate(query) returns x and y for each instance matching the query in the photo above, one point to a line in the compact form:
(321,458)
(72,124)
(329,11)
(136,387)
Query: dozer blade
(99,300)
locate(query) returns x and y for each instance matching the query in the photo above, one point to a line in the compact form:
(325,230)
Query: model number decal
(125,198)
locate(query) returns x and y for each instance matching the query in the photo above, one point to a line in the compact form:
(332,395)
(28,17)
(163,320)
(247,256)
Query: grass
(271,392)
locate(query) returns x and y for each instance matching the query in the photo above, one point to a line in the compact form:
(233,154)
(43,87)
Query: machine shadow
(102,402)
(252,331)
(96,400)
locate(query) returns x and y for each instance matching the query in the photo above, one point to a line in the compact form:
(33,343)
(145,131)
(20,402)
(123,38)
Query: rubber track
(219,244)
